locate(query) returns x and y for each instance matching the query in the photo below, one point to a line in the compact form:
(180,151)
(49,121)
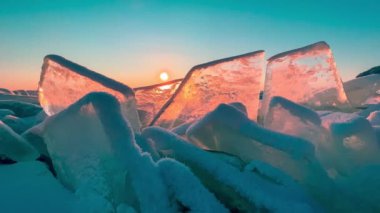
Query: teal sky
(132,41)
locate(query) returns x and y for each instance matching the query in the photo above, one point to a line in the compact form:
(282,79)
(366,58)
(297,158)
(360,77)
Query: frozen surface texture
(150,99)
(229,130)
(301,74)
(63,82)
(183,185)
(235,79)
(241,191)
(95,154)
(364,90)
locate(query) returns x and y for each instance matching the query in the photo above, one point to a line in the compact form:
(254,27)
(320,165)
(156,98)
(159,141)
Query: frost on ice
(150,99)
(235,79)
(301,75)
(63,82)
(229,130)
(242,191)
(95,155)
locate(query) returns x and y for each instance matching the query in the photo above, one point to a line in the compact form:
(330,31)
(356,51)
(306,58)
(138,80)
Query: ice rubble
(106,161)
(364,90)
(63,82)
(150,99)
(301,74)
(237,190)
(207,85)
(229,130)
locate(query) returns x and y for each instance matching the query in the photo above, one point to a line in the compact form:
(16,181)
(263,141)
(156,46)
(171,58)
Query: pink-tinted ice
(63,82)
(302,75)
(235,79)
(150,99)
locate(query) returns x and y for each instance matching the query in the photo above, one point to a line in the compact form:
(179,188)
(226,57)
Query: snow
(15,147)
(150,99)
(187,189)
(63,82)
(300,74)
(207,85)
(236,189)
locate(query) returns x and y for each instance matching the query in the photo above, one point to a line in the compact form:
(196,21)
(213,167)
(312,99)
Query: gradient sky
(132,41)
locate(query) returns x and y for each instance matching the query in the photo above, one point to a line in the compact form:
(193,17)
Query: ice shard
(235,79)
(302,76)
(290,118)
(63,82)
(364,90)
(95,154)
(150,99)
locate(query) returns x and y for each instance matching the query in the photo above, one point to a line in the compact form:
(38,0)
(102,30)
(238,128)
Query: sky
(133,41)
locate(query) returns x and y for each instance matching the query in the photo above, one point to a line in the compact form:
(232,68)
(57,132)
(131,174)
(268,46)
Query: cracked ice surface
(301,74)
(150,99)
(235,79)
(63,82)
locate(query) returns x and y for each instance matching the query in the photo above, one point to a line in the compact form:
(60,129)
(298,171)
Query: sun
(164,76)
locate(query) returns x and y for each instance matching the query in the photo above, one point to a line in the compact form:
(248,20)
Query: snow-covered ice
(235,79)
(238,190)
(99,156)
(63,82)
(314,151)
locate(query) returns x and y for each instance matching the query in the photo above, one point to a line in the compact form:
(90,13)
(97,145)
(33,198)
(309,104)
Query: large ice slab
(235,79)
(150,99)
(63,82)
(95,154)
(300,75)
(364,90)
(290,118)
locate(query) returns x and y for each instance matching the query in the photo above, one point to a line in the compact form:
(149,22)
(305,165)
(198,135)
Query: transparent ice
(150,99)
(235,79)
(302,76)
(63,82)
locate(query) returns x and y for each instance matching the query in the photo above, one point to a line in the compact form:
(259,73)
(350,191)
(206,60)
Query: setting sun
(164,76)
